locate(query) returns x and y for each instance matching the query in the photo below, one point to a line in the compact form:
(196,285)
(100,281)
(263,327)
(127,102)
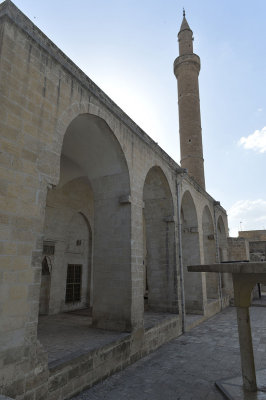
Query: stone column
(243,286)
(246,349)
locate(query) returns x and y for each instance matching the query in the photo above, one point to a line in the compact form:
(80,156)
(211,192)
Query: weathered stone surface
(188,366)
(77,172)
(233,268)
(5,397)
(238,249)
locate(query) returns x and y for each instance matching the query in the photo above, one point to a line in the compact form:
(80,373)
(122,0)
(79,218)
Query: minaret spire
(186,70)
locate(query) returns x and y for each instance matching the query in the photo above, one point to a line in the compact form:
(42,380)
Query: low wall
(71,377)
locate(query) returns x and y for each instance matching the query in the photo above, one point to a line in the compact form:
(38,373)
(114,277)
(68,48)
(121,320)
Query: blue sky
(128,47)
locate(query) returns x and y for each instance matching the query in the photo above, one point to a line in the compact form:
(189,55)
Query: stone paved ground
(187,367)
(68,335)
(65,336)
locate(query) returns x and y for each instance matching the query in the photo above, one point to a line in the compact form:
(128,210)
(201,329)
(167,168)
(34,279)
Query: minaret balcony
(192,59)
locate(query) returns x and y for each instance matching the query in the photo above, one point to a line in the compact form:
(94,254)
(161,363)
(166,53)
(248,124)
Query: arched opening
(191,255)
(90,227)
(68,242)
(212,279)
(160,280)
(226,278)
(222,240)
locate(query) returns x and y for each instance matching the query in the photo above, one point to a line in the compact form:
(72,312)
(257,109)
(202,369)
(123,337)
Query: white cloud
(251,214)
(259,109)
(256,141)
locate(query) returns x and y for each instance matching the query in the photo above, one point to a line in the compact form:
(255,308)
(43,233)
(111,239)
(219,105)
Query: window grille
(73,283)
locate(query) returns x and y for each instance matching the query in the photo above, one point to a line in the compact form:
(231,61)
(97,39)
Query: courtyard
(187,367)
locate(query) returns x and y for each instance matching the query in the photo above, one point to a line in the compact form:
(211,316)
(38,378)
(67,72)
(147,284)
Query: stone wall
(238,249)
(257,244)
(255,235)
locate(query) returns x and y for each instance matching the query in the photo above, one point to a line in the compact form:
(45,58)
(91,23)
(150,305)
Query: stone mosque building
(95,216)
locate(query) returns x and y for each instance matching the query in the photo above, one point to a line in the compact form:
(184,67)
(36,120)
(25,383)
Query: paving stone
(187,367)
(67,335)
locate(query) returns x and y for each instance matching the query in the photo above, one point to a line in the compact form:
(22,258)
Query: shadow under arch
(209,247)
(160,275)
(193,283)
(90,144)
(92,158)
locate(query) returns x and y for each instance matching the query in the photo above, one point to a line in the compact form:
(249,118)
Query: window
(73,283)
(48,248)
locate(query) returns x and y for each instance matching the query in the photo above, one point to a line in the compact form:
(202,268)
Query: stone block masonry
(79,176)
(238,249)
(69,378)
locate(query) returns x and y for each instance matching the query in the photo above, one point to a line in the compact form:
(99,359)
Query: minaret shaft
(186,69)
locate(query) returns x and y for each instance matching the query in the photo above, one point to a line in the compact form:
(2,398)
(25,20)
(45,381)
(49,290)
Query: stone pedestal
(233,388)
(245,276)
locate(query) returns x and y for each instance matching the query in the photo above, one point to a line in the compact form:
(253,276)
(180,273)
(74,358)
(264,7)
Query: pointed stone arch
(160,275)
(193,284)
(92,158)
(209,248)
(226,278)
(53,150)
(222,240)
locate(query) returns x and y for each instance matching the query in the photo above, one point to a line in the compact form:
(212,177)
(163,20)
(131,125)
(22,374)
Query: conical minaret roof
(184,25)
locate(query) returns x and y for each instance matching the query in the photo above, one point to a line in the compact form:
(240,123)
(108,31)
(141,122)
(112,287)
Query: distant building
(257,244)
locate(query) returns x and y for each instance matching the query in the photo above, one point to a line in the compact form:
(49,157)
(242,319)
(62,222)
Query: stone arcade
(94,214)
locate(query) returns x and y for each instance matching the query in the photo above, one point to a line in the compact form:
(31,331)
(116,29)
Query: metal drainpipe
(180,255)
(216,203)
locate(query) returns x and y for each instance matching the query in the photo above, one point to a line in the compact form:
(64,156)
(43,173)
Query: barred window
(73,283)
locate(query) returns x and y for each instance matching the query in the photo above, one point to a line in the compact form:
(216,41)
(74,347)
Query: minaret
(186,70)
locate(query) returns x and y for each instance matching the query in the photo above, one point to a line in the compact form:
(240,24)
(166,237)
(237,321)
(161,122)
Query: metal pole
(180,256)
(217,255)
